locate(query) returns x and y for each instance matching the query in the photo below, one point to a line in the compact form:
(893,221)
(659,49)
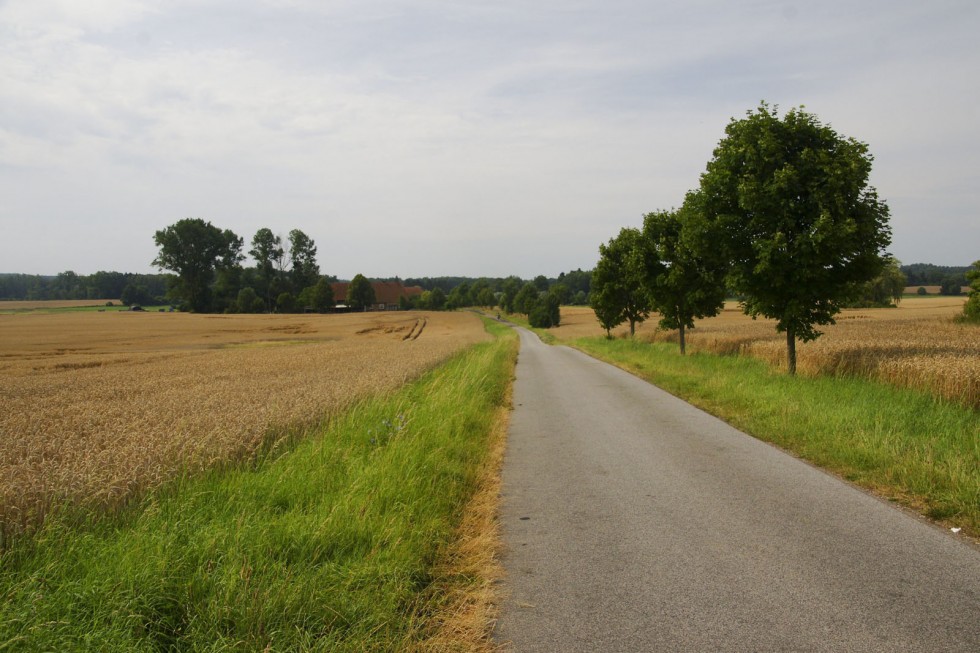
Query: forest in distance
(111,285)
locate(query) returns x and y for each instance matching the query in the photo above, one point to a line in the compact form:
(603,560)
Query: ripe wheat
(97,407)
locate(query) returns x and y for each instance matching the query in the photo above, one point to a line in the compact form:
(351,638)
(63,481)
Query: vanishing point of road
(635,522)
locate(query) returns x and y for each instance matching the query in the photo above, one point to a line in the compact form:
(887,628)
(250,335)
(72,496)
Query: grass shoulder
(348,540)
(902,444)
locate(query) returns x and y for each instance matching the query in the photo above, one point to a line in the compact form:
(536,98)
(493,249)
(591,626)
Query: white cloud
(493,134)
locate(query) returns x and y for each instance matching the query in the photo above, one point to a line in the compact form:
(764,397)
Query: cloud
(483,134)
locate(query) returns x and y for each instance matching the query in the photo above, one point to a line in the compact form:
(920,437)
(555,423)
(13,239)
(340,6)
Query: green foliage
(331,543)
(195,249)
(510,287)
(304,270)
(545,312)
(360,293)
(921,291)
(684,271)
(799,222)
(971,309)
(927,274)
(248,301)
(135,293)
(886,289)
(286,303)
(526,299)
(269,254)
(951,285)
(618,292)
(487,298)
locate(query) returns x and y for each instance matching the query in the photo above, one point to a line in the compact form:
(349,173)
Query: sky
(429,137)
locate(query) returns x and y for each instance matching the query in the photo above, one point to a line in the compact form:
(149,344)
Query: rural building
(387,294)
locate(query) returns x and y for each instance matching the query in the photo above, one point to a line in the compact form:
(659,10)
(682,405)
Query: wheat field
(97,407)
(917,345)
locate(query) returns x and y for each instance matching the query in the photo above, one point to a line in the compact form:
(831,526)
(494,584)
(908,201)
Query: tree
(487,298)
(950,286)
(360,293)
(286,303)
(248,301)
(884,290)
(322,296)
(304,271)
(135,293)
(685,275)
(195,249)
(268,254)
(618,292)
(797,219)
(971,309)
(526,299)
(437,299)
(546,312)
(510,287)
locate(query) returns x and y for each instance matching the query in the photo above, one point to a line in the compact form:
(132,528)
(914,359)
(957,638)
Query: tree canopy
(684,271)
(618,291)
(194,249)
(797,219)
(360,293)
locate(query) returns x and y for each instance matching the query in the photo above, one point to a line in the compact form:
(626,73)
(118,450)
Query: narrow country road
(635,522)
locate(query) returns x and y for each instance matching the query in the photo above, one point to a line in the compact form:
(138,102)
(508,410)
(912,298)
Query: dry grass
(96,407)
(917,345)
(468,616)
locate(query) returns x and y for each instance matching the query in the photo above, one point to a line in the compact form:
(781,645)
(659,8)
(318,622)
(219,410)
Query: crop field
(917,345)
(96,407)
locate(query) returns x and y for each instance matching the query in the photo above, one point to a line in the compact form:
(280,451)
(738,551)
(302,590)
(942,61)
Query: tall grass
(901,443)
(334,545)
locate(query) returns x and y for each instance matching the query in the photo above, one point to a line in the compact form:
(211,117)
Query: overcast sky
(432,137)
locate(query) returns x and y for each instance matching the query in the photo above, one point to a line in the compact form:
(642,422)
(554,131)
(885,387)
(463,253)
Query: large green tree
(268,252)
(798,220)
(304,270)
(618,290)
(194,249)
(685,272)
(360,293)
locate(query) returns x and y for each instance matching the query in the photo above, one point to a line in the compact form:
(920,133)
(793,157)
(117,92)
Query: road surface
(635,522)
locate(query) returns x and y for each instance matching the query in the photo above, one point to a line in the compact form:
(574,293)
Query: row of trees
(784,217)
(210,278)
(132,288)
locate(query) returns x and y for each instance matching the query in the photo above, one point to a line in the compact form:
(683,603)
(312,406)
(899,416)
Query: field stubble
(917,345)
(97,407)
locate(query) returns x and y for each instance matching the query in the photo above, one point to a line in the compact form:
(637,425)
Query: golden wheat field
(917,345)
(96,407)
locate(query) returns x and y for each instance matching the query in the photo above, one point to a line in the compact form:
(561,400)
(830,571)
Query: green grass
(330,546)
(902,444)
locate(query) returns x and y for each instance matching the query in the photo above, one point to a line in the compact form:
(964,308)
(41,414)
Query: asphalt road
(635,522)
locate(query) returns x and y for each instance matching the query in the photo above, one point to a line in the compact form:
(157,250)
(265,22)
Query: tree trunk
(632,327)
(791,350)
(683,350)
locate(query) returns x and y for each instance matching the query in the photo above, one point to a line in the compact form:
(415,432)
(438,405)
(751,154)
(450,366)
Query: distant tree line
(783,218)
(130,288)
(949,278)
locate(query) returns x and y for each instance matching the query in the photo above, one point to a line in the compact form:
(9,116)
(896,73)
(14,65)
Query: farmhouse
(387,294)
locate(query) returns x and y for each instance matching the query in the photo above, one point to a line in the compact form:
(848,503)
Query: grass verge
(348,542)
(901,444)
